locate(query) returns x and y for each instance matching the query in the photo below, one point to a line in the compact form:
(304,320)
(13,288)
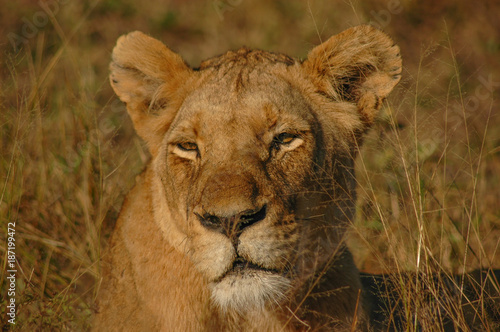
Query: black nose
(233,225)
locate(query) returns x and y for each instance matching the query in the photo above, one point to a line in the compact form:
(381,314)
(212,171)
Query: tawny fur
(237,223)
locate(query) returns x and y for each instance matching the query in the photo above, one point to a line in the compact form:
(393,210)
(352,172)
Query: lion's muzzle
(233,225)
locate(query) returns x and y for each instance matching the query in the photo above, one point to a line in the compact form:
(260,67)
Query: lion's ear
(360,65)
(144,75)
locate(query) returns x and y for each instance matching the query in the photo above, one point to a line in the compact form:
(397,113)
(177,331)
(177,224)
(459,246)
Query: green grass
(428,172)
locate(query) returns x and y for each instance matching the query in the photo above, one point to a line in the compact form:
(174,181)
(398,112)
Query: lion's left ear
(145,74)
(360,65)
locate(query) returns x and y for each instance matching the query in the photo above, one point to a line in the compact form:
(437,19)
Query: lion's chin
(244,288)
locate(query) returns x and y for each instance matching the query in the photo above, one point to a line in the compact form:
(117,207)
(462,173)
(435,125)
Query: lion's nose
(233,225)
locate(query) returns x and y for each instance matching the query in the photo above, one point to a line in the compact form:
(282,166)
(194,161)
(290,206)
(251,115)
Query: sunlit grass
(421,214)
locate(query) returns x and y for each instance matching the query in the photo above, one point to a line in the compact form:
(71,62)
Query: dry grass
(428,174)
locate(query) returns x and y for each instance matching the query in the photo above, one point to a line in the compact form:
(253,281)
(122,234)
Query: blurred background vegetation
(429,172)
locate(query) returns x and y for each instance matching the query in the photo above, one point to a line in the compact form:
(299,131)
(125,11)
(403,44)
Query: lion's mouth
(246,285)
(242,266)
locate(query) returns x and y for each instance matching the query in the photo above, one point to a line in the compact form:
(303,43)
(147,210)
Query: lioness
(237,222)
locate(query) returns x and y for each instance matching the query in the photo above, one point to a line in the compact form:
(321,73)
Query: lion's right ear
(360,65)
(144,75)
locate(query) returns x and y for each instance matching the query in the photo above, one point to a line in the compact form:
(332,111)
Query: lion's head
(253,153)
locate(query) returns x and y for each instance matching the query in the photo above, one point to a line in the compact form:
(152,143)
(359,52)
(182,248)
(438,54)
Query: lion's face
(252,155)
(235,165)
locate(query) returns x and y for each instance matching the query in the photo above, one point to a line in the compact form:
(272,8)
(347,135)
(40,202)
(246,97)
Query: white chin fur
(249,290)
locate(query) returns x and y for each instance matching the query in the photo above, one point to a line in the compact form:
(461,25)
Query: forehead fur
(254,101)
(246,57)
(245,70)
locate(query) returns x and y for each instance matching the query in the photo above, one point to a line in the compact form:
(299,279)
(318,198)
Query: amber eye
(284,138)
(188,146)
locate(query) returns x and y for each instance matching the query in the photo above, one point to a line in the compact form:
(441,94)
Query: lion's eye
(187,150)
(188,146)
(284,138)
(286,142)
